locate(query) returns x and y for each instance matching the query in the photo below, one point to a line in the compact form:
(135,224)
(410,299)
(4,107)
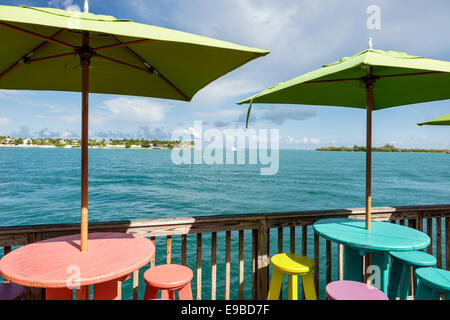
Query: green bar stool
(293,265)
(399,275)
(432,283)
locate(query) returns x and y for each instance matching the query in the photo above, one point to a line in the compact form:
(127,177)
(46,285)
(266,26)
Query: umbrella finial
(370,43)
(86,6)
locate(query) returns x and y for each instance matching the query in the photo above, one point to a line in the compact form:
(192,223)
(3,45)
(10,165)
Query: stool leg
(164,294)
(275,285)
(185,293)
(308,285)
(150,293)
(168,294)
(58,294)
(404,282)
(426,293)
(394,279)
(292,287)
(415,281)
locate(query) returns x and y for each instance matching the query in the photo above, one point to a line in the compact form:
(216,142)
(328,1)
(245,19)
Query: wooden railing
(268,234)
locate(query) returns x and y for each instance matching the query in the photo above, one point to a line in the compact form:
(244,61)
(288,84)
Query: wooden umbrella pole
(369,90)
(85,57)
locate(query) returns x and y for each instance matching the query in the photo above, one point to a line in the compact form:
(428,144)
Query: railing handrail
(259,223)
(358,213)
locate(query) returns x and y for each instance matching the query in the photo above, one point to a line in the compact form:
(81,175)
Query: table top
(57,262)
(383,236)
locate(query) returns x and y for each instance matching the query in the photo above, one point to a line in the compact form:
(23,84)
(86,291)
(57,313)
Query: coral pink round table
(59,266)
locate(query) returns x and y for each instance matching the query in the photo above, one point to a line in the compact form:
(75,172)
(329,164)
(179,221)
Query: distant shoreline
(61,143)
(78,147)
(387,148)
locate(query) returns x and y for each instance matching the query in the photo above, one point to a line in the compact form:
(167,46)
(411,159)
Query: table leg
(82,293)
(381,259)
(58,294)
(352,264)
(107,290)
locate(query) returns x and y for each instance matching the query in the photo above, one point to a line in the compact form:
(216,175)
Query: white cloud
(279,114)
(304,142)
(4,122)
(129,110)
(222,89)
(9,93)
(223,114)
(63,4)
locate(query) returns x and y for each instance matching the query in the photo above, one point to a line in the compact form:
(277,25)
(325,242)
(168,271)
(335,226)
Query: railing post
(262,263)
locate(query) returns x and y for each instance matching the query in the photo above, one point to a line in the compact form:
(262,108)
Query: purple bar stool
(352,290)
(11,291)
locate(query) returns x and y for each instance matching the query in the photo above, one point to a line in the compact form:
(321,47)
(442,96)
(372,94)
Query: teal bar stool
(399,275)
(432,283)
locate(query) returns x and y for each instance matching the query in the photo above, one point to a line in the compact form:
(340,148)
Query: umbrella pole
(369,91)
(85,57)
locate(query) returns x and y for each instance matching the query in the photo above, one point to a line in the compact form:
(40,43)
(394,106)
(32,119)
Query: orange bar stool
(11,291)
(168,278)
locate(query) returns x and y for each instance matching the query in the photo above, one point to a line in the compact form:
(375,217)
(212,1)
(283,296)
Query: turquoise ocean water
(39,186)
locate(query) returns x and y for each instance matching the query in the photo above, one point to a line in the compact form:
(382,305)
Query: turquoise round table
(358,241)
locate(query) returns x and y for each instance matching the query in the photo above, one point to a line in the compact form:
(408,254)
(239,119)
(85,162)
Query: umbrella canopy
(41,45)
(52,49)
(441,121)
(372,80)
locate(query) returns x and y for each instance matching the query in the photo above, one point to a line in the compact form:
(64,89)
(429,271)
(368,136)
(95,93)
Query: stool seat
(415,258)
(352,290)
(437,279)
(11,291)
(292,263)
(168,276)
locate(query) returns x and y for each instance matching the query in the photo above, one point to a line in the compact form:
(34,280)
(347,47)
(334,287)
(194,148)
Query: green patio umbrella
(371,80)
(52,49)
(440,121)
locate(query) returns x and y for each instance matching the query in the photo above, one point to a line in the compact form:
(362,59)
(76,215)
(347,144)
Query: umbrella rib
(36,35)
(122,44)
(148,66)
(26,57)
(412,74)
(335,80)
(122,63)
(376,77)
(52,57)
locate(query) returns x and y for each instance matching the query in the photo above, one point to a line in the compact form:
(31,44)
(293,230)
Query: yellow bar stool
(293,265)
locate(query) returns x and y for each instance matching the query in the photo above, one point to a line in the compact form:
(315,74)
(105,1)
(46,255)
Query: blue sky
(302,35)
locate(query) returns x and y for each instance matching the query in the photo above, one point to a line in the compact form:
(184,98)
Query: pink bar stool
(352,290)
(168,278)
(11,291)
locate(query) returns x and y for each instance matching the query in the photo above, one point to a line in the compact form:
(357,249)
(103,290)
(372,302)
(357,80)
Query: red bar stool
(11,291)
(168,278)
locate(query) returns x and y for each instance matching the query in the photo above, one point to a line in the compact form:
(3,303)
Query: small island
(10,142)
(386,148)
